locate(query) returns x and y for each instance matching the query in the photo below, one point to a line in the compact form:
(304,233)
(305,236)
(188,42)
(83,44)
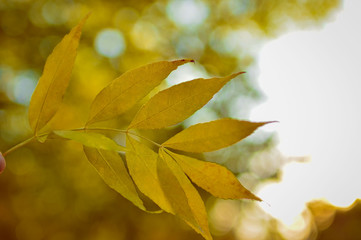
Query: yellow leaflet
(211,136)
(214,178)
(184,198)
(111,168)
(51,87)
(142,164)
(177,103)
(125,91)
(90,139)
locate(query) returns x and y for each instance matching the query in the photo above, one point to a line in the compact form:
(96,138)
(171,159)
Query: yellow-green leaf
(111,168)
(177,103)
(90,139)
(184,198)
(142,164)
(211,136)
(51,87)
(214,178)
(125,91)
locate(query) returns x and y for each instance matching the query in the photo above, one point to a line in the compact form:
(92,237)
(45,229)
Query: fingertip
(2,163)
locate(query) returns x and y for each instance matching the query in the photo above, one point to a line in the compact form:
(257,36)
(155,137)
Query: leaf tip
(229,77)
(81,24)
(2,163)
(185,60)
(268,122)
(239,73)
(86,16)
(257,198)
(250,196)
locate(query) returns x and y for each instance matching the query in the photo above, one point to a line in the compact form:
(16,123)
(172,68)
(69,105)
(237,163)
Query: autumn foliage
(165,176)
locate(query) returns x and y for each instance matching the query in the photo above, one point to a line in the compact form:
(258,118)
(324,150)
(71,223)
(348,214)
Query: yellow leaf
(125,91)
(177,103)
(142,164)
(90,139)
(214,178)
(51,87)
(211,136)
(111,168)
(184,198)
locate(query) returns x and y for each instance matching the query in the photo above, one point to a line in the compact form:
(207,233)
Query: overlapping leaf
(211,136)
(142,163)
(214,178)
(184,198)
(177,103)
(162,180)
(91,139)
(111,168)
(51,87)
(125,91)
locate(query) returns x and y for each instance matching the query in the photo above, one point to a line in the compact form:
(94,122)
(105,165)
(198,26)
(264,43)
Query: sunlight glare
(311,81)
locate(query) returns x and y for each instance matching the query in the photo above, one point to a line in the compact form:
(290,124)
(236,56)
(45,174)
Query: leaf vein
(169,107)
(51,83)
(115,99)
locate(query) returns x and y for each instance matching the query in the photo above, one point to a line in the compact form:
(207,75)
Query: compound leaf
(51,87)
(125,91)
(211,136)
(177,103)
(214,178)
(90,139)
(111,168)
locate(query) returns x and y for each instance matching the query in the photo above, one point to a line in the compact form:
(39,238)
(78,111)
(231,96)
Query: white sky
(313,85)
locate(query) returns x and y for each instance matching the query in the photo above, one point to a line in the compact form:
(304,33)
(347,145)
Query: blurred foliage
(46,193)
(339,223)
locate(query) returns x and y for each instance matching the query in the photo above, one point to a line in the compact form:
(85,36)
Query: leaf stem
(149,140)
(117,130)
(23,143)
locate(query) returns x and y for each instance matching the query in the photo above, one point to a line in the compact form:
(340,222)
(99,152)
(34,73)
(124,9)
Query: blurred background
(301,58)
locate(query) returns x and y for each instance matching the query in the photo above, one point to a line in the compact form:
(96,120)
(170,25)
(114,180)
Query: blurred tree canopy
(45,193)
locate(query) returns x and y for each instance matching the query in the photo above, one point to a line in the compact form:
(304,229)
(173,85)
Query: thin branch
(155,143)
(23,143)
(116,130)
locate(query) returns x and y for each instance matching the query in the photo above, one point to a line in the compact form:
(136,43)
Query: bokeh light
(189,46)
(187,13)
(56,12)
(145,35)
(110,43)
(25,83)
